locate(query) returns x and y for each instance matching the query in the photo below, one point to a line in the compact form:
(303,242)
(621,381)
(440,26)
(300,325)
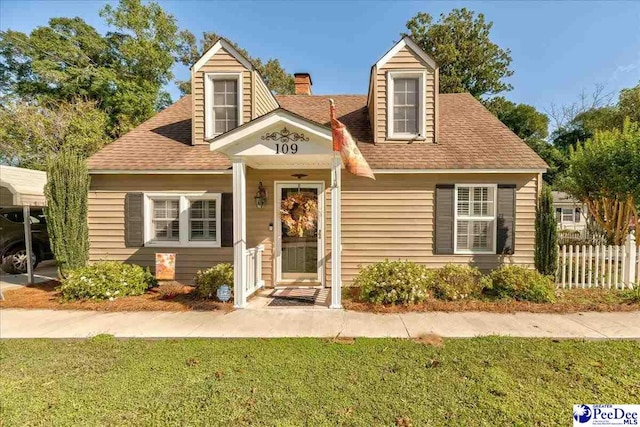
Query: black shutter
(444,210)
(558,215)
(576,217)
(134,220)
(227,220)
(506,203)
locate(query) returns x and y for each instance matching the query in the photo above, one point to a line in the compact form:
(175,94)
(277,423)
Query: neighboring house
(205,178)
(571,214)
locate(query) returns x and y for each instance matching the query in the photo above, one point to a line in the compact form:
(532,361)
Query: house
(571,214)
(206,179)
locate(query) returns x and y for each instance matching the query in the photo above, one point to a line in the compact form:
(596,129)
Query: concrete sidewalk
(296,322)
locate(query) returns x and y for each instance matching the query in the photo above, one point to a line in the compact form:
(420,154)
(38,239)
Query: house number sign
(286,141)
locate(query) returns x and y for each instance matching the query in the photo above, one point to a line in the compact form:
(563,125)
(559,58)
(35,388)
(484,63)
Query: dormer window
(223,95)
(405,109)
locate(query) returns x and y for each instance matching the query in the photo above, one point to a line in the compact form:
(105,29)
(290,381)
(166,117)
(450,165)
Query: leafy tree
(629,103)
(459,43)
(275,77)
(604,173)
(123,71)
(67,192)
(557,160)
(524,120)
(29,133)
(546,254)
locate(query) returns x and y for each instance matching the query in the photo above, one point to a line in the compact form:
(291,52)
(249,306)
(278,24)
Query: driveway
(46,271)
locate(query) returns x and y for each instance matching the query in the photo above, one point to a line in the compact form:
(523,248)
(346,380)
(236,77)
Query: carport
(24,188)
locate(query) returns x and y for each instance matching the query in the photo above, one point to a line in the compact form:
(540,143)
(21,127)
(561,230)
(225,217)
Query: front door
(299,254)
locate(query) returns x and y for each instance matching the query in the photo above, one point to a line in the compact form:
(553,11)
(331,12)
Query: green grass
(483,381)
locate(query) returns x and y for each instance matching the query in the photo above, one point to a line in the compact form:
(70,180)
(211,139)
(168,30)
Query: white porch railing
(253,276)
(599,266)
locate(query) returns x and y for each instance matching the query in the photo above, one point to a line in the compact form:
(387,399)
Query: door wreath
(299,213)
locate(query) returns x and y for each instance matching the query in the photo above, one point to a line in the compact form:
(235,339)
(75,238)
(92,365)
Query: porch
(282,158)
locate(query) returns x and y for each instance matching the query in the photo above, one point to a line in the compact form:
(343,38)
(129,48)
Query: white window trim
(183,217)
(492,251)
(208,99)
(421,75)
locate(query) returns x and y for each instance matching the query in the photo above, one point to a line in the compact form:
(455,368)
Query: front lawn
(484,381)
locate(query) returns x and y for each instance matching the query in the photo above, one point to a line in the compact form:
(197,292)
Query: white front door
(299,251)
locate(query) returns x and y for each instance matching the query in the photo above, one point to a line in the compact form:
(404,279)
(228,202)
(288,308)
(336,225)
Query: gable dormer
(403,95)
(226,91)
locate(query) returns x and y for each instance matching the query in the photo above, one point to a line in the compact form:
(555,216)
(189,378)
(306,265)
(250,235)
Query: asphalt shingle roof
(470,138)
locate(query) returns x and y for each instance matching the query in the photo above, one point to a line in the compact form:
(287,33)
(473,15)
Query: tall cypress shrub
(67,192)
(546,253)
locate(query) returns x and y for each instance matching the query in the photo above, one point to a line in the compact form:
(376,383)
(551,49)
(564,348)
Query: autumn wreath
(299,213)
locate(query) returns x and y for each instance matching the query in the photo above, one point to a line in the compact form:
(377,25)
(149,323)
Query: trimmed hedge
(520,284)
(394,282)
(106,280)
(208,281)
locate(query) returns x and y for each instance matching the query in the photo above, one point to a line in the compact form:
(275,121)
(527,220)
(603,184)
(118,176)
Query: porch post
(26,213)
(336,236)
(239,233)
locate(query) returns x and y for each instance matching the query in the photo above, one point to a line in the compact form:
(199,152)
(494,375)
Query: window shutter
(506,219)
(558,215)
(445,204)
(134,220)
(576,217)
(227,220)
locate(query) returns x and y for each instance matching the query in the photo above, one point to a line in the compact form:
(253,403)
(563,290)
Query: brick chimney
(303,83)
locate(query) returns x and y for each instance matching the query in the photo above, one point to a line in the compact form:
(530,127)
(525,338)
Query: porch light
(261,196)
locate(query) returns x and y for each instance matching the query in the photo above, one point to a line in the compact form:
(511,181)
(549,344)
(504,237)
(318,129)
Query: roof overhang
(278,140)
(22,187)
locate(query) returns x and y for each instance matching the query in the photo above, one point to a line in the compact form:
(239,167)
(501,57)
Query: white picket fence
(599,266)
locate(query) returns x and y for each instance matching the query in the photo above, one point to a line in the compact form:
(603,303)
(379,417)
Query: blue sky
(559,49)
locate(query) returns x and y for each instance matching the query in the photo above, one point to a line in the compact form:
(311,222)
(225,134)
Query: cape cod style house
(206,179)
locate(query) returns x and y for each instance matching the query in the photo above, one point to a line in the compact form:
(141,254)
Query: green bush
(519,283)
(455,282)
(394,282)
(208,281)
(632,296)
(106,280)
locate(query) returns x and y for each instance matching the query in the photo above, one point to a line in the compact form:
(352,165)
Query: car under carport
(23,188)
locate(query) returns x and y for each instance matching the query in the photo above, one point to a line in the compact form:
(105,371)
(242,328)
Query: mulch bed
(45,296)
(568,301)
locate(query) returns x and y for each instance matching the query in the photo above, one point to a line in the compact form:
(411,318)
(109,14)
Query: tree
(604,173)
(557,160)
(275,77)
(524,120)
(546,254)
(629,103)
(459,43)
(67,192)
(123,71)
(29,133)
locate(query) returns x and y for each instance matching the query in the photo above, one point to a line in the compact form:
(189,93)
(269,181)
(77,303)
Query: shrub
(394,282)
(208,281)
(546,226)
(454,282)
(519,283)
(106,280)
(632,296)
(67,192)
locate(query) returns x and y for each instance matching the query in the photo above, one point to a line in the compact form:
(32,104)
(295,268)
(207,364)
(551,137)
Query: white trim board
(421,75)
(265,121)
(221,44)
(209,105)
(452,171)
(408,42)
(160,172)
